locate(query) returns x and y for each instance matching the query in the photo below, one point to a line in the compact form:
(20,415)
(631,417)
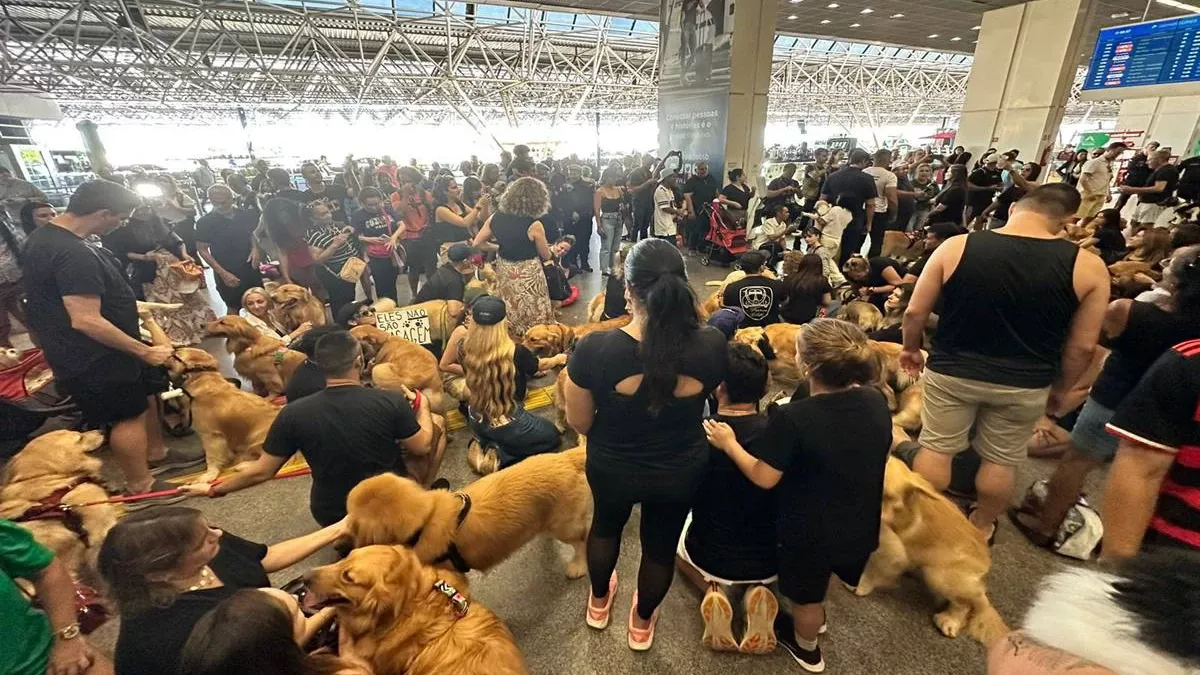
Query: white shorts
(682,552)
(1146,213)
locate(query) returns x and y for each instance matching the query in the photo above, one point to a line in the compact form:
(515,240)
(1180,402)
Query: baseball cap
(488,310)
(459,252)
(349,311)
(727,320)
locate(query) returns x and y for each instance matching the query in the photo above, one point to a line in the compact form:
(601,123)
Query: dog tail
(578,454)
(985,623)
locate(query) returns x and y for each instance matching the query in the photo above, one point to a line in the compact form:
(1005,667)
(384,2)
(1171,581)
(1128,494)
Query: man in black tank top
(1020,312)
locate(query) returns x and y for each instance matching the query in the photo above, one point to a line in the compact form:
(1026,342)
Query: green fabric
(26,630)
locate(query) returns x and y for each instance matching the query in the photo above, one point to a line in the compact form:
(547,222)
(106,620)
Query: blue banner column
(714,75)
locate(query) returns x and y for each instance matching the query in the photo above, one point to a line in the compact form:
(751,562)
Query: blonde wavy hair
(837,354)
(491,375)
(527,197)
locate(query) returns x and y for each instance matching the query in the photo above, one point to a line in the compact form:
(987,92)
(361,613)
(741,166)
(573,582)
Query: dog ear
(438,531)
(566,337)
(764,346)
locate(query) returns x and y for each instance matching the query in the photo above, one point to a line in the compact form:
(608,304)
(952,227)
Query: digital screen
(1146,54)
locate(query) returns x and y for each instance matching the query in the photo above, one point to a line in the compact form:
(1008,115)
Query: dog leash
(125,499)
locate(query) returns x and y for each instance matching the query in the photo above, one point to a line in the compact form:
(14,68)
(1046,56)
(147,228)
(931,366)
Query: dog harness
(278,356)
(451,553)
(457,600)
(51,507)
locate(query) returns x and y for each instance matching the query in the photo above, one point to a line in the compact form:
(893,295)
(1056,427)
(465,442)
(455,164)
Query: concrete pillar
(95,147)
(1025,64)
(750,67)
(1174,122)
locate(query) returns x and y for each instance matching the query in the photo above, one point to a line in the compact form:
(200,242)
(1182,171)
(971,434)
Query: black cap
(349,311)
(459,252)
(488,310)
(751,261)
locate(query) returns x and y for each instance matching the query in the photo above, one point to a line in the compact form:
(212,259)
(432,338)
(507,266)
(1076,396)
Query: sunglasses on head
(366,311)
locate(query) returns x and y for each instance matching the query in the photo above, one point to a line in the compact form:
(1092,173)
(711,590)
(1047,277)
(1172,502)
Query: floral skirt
(185,326)
(522,286)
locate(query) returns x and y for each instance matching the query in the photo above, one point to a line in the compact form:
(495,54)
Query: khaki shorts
(1001,417)
(1090,206)
(1147,213)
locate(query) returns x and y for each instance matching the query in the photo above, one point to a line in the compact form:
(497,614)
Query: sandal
(1034,536)
(598,617)
(640,639)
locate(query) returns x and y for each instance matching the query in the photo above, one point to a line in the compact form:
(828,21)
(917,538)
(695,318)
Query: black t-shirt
(855,184)
(1161,413)
(803,307)
(758,296)
(1149,331)
(878,265)
(919,265)
(905,206)
(954,199)
(1005,200)
(346,434)
(1166,173)
(736,194)
(832,449)
(306,381)
(732,534)
(983,177)
(641,195)
(527,367)
(703,190)
(151,642)
(334,198)
(228,237)
(779,183)
(644,452)
(446,283)
(298,196)
(1111,244)
(56,263)
(614,298)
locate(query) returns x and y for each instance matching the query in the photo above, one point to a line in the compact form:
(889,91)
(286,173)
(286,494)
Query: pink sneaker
(598,617)
(641,639)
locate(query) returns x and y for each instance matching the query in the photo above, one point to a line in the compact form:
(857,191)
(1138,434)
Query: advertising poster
(693,92)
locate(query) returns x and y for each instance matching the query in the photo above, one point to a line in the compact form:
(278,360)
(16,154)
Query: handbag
(352,270)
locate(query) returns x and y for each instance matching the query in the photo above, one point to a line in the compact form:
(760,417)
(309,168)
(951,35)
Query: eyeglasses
(366,311)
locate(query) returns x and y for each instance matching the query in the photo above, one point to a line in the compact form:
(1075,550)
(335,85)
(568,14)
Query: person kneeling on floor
(496,372)
(830,482)
(729,540)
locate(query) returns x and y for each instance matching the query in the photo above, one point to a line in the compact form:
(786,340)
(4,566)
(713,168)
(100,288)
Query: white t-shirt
(834,222)
(884,179)
(769,230)
(664,223)
(1095,177)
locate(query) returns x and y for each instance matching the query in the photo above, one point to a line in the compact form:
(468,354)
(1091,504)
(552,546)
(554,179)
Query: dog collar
(457,600)
(279,356)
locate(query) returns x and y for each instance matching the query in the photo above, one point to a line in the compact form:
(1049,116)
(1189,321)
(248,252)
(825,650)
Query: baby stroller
(28,400)
(726,238)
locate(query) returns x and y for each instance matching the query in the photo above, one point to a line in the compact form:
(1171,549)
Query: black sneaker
(170,496)
(439,484)
(175,461)
(785,633)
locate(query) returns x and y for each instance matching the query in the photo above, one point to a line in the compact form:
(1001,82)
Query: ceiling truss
(203,60)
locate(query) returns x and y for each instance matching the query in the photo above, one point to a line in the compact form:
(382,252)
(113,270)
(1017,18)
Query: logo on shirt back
(756,301)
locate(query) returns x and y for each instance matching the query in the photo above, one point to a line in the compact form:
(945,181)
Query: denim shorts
(1089,437)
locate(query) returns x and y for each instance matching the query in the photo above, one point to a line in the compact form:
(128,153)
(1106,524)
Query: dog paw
(949,623)
(576,569)
(863,589)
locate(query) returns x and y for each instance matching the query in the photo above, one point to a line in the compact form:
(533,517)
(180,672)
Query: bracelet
(69,632)
(212,491)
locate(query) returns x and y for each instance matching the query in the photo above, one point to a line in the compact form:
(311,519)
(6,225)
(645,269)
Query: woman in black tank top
(608,200)
(454,221)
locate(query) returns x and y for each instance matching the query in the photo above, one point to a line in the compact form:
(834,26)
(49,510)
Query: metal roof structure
(426,60)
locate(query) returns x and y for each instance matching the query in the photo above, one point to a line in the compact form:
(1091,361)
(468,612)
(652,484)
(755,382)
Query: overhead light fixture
(897,16)
(955,39)
(855,25)
(867,10)
(824,21)
(933,36)
(1180,5)
(793,17)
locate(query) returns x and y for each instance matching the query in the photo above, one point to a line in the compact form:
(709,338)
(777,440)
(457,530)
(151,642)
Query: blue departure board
(1156,53)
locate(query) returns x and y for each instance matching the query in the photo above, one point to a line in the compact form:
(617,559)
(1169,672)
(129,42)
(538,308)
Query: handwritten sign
(408,323)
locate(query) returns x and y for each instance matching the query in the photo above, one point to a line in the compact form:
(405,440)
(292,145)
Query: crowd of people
(1007,316)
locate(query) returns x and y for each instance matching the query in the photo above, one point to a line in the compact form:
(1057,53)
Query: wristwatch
(70,632)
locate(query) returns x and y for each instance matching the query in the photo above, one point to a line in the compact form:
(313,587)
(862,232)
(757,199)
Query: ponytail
(655,273)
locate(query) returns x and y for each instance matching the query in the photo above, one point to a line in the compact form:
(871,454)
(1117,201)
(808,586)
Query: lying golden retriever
(862,314)
(777,343)
(595,312)
(232,424)
(406,618)
(503,512)
(551,339)
(903,246)
(295,304)
(921,530)
(395,361)
(58,468)
(711,304)
(263,360)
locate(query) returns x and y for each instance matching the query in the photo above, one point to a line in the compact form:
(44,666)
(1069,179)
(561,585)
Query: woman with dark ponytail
(638,395)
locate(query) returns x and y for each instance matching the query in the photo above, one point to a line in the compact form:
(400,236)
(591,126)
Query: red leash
(174,491)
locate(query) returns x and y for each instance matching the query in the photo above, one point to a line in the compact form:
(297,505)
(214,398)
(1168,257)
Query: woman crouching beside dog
(830,485)
(167,567)
(257,308)
(638,395)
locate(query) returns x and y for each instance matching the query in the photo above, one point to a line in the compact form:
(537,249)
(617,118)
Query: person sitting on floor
(729,540)
(757,295)
(496,372)
(615,304)
(830,490)
(257,309)
(449,282)
(772,233)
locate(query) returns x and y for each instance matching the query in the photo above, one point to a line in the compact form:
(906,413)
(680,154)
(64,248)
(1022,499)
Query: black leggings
(384,273)
(340,292)
(662,522)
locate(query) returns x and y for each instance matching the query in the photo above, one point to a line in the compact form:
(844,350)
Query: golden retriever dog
(444,317)
(264,360)
(58,468)
(921,530)
(551,339)
(903,246)
(232,424)
(777,343)
(902,391)
(406,618)
(595,311)
(504,511)
(711,304)
(295,304)
(862,314)
(394,361)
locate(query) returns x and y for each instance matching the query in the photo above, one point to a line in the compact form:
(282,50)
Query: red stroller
(726,238)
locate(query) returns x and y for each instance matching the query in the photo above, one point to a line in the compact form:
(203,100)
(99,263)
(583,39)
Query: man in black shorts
(224,238)
(82,308)
(347,433)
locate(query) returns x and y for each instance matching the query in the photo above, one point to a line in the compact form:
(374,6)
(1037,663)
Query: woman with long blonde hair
(497,372)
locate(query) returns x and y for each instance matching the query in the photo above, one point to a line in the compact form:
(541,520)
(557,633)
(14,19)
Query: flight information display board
(1163,55)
